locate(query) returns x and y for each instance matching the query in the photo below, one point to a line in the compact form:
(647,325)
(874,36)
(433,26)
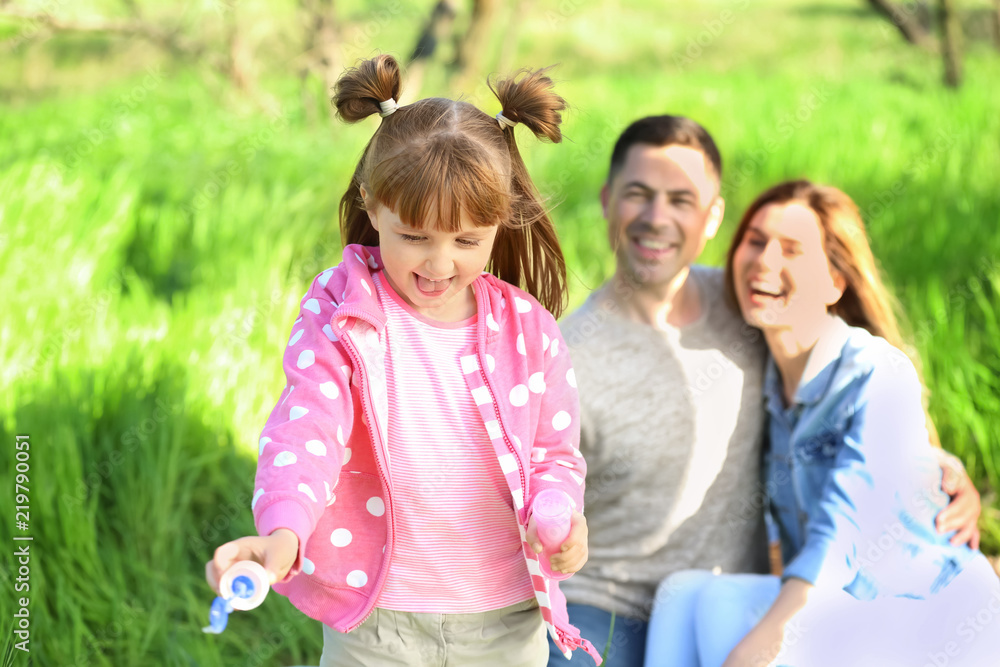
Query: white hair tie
(504,121)
(388,107)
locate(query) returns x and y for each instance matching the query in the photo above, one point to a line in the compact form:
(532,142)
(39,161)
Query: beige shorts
(513,637)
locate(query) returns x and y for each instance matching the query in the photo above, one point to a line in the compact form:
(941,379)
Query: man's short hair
(665,131)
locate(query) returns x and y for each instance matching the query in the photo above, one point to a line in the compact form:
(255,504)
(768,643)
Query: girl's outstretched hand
(573,555)
(276,552)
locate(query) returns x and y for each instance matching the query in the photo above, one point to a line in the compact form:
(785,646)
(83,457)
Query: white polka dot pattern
(561,420)
(304,488)
(341,537)
(375,506)
(357,579)
(316,448)
(285,458)
(524,395)
(306,359)
(519,395)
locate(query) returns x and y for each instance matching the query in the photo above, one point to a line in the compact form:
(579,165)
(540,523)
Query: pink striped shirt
(458,548)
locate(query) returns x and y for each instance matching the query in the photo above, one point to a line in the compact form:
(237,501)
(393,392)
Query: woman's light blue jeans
(699,617)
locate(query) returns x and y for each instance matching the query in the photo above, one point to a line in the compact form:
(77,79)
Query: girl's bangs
(431,188)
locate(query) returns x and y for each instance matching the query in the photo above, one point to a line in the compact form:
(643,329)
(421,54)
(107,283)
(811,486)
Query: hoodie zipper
(377,441)
(503,429)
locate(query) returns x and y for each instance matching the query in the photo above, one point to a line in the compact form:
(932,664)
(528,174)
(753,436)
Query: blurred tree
(471,45)
(509,49)
(183,36)
(996,23)
(436,28)
(905,21)
(170,38)
(951,37)
(321,57)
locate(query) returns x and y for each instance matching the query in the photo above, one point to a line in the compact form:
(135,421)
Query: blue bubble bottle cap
(243,587)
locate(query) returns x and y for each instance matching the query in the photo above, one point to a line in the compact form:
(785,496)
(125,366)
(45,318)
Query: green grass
(153,252)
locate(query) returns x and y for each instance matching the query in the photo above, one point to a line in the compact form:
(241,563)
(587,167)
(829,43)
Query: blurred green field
(157,230)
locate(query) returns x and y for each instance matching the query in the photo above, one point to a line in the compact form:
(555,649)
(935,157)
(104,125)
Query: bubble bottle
(242,587)
(553,510)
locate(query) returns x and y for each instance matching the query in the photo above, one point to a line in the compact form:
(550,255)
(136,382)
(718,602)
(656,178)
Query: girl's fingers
(570,560)
(224,556)
(572,565)
(211,576)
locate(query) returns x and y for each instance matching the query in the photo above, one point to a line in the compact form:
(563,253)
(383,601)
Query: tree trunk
(509,49)
(470,47)
(437,27)
(905,22)
(239,66)
(951,30)
(996,24)
(321,56)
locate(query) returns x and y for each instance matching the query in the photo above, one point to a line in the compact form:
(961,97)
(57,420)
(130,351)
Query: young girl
(852,483)
(427,402)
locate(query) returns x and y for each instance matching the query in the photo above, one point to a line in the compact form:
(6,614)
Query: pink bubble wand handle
(553,513)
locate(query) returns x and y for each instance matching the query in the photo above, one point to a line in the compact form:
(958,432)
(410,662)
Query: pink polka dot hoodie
(323,470)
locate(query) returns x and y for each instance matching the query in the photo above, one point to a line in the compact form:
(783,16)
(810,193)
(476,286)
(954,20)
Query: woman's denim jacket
(852,482)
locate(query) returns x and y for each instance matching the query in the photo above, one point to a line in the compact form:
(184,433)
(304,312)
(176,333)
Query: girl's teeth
(428,285)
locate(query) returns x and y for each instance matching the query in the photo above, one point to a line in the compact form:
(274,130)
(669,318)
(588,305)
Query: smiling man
(670,388)
(670,379)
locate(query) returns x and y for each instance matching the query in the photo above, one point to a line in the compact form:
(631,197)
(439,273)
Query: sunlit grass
(153,253)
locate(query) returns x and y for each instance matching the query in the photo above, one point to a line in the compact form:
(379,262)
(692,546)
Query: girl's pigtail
(527,251)
(359,93)
(360,90)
